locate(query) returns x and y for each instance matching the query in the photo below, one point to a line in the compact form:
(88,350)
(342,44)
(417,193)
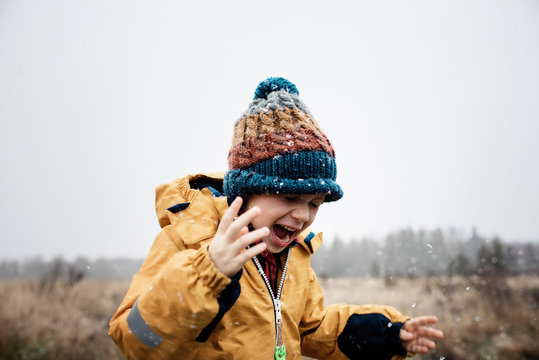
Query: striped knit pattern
(278,147)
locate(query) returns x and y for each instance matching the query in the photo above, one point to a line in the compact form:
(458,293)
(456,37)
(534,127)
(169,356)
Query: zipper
(280,351)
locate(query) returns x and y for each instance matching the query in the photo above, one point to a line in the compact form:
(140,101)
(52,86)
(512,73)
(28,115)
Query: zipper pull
(280,353)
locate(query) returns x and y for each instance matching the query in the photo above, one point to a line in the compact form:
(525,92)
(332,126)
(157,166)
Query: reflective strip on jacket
(179,306)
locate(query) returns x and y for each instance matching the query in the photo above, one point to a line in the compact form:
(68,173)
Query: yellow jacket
(179,306)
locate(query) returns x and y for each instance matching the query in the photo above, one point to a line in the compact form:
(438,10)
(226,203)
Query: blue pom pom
(274,84)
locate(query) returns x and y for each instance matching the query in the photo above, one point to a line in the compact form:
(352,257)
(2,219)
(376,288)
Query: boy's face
(286,216)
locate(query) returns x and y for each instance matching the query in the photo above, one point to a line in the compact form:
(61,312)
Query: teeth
(289,229)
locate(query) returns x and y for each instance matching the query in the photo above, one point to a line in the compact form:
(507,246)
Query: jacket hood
(182,190)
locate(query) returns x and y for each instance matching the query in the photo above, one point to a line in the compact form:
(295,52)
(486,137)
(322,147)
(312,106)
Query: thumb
(405,335)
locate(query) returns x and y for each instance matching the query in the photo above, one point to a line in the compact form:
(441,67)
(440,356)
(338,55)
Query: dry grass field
(482,318)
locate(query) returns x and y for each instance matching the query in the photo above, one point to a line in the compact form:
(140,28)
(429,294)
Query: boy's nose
(301,213)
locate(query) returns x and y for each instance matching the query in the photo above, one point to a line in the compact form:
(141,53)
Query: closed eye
(315,205)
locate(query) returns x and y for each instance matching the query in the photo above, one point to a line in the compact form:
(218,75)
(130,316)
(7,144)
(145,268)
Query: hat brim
(248,183)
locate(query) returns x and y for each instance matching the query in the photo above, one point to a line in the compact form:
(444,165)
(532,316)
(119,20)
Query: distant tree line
(418,253)
(71,271)
(403,253)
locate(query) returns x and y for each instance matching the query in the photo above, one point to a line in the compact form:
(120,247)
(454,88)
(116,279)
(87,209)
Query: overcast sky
(432,107)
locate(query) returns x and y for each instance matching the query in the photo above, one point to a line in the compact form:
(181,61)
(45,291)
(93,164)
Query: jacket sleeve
(342,331)
(173,302)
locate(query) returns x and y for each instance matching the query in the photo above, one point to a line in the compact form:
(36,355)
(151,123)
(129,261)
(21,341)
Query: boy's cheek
(313,216)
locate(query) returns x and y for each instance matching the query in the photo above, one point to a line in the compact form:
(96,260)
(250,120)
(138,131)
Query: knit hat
(278,148)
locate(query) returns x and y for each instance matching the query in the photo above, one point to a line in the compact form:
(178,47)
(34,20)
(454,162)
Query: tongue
(280,231)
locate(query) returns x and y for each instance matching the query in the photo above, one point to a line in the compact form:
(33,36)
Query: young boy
(229,275)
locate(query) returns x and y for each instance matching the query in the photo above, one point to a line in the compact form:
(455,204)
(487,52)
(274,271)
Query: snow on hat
(278,148)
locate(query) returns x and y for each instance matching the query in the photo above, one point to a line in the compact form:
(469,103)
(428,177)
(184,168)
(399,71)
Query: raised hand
(416,333)
(228,249)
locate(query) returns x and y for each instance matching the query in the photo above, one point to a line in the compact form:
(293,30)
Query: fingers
(237,261)
(420,345)
(230,214)
(405,335)
(416,334)
(241,221)
(417,331)
(228,249)
(416,322)
(419,349)
(233,227)
(249,238)
(430,333)
(421,326)
(429,344)
(253,251)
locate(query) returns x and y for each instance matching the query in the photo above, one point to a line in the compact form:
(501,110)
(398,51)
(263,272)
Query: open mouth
(283,234)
